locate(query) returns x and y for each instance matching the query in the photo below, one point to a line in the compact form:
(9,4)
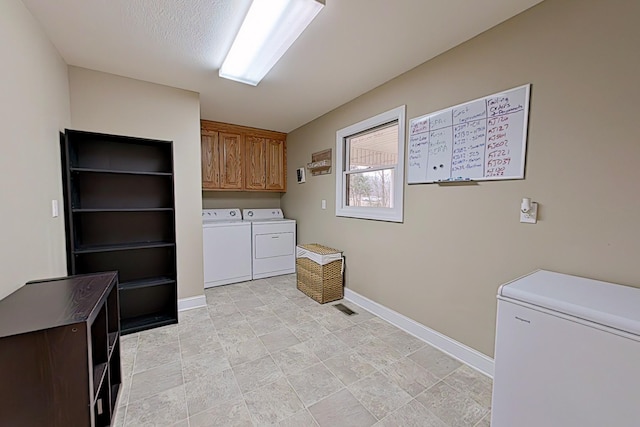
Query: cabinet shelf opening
(103,191)
(99,372)
(113,152)
(97,229)
(140,323)
(121,247)
(132,265)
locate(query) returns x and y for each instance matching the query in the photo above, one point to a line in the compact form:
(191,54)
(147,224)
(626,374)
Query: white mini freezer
(567,353)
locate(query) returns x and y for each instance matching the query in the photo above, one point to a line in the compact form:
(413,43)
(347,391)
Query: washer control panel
(214,215)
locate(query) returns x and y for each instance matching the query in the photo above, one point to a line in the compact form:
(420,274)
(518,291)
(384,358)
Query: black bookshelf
(119,212)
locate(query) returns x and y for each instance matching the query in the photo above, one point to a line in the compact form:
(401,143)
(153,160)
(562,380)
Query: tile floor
(263,353)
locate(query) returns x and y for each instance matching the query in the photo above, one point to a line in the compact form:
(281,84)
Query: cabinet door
(230,161)
(276,165)
(210,152)
(255,171)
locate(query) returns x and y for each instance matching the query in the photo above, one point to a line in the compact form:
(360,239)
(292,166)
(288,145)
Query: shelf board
(99,372)
(121,247)
(144,283)
(92,210)
(122,172)
(113,336)
(141,323)
(114,397)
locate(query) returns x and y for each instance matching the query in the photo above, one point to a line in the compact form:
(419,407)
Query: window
(370,167)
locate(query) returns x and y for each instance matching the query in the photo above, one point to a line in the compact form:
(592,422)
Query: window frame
(394,214)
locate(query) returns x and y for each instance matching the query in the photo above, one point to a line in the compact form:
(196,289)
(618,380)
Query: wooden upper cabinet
(265,164)
(276,172)
(242,159)
(255,172)
(230,161)
(210,149)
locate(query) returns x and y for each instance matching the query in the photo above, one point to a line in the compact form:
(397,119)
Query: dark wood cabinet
(60,352)
(119,211)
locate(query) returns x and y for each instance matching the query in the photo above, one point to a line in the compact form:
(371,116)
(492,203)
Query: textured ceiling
(350,48)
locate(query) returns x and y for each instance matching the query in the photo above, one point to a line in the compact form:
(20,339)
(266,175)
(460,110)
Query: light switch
(54,208)
(324,204)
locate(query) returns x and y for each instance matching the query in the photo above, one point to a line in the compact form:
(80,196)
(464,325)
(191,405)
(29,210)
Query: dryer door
(274,245)
(274,249)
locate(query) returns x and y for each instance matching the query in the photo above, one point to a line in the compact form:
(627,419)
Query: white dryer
(273,242)
(226,247)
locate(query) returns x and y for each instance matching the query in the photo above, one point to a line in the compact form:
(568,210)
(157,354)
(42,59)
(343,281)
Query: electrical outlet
(531,216)
(324,204)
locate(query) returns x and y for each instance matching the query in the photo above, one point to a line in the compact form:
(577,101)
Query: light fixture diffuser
(268,30)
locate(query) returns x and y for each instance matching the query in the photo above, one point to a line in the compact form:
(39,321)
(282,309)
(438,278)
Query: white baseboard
(463,353)
(192,302)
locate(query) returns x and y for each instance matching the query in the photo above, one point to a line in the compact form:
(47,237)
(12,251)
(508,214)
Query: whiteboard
(484,139)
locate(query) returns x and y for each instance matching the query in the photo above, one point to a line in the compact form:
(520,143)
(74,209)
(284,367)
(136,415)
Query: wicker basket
(322,282)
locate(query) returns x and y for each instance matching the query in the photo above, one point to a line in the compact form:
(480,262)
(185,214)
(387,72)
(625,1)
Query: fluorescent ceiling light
(268,30)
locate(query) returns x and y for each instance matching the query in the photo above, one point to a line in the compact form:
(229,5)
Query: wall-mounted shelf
(320,163)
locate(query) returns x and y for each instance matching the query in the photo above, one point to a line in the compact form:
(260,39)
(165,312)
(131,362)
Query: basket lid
(319,249)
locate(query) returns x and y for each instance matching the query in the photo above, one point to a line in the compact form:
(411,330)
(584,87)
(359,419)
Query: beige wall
(242,200)
(34,106)
(443,265)
(107,103)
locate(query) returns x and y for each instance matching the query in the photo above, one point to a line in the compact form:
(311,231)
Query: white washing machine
(273,242)
(226,247)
